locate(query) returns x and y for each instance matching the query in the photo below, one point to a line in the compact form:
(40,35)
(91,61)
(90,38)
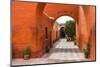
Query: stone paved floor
(63,51)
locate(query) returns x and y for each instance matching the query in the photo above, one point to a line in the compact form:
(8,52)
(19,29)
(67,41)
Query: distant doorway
(62,32)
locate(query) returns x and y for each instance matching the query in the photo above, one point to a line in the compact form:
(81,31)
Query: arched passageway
(63,27)
(67,26)
(61,44)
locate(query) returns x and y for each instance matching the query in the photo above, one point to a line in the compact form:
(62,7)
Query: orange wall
(83,33)
(87,28)
(45,23)
(91,22)
(55,32)
(24,28)
(66,10)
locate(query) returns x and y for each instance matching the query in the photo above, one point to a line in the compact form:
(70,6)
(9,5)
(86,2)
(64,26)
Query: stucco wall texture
(33,26)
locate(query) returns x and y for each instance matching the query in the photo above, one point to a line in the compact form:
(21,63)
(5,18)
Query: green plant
(86,50)
(74,42)
(70,28)
(27,51)
(88,46)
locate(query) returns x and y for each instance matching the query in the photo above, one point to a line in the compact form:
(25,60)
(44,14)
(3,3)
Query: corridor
(62,51)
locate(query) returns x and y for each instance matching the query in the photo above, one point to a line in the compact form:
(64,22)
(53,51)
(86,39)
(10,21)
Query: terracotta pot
(26,57)
(75,42)
(86,56)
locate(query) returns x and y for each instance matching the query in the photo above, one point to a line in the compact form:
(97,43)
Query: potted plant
(87,50)
(74,42)
(74,38)
(27,53)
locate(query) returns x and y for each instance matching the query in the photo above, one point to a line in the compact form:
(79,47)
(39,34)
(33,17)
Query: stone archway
(64,10)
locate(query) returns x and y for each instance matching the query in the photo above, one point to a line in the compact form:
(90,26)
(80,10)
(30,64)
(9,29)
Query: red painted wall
(83,28)
(23,27)
(90,14)
(55,32)
(87,29)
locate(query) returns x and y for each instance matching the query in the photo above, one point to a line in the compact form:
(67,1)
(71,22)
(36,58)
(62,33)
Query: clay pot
(26,57)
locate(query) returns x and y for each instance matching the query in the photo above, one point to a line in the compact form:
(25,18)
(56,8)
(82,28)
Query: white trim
(48,15)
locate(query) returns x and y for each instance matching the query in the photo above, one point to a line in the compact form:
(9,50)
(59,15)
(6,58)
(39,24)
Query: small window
(46,32)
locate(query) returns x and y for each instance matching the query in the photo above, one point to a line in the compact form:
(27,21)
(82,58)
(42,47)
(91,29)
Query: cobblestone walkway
(62,51)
